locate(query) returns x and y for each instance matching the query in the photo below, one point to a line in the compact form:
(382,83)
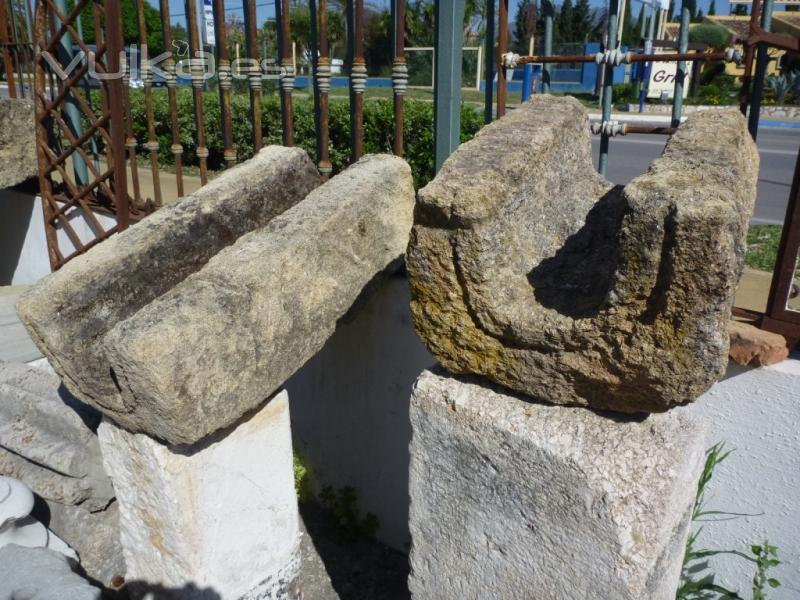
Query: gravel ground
(335,569)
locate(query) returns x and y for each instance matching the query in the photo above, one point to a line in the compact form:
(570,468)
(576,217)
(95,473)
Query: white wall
(23,246)
(349,407)
(350,418)
(756,412)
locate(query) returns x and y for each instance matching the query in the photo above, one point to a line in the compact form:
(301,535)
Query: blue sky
(265,8)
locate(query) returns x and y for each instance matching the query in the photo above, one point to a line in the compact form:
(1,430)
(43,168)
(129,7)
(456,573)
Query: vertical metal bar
(749,55)
(130,140)
(118,117)
(680,76)
(71,109)
(449,41)
(786,262)
(20,57)
(527,82)
(358,78)
(287,71)
(105,102)
(45,183)
(488,108)
(251,38)
(7,62)
(314,50)
(323,82)
(608,85)
(502,48)
(225,80)
(169,69)
(147,79)
(549,10)
(198,70)
(399,71)
(87,90)
(762,60)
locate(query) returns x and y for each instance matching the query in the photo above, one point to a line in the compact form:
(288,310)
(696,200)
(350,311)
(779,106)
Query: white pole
(294,57)
(620,23)
(478,72)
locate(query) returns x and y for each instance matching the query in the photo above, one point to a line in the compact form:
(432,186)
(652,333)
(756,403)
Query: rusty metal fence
(90,156)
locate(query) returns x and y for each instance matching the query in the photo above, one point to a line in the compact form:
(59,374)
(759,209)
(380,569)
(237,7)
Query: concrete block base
(512,499)
(217,519)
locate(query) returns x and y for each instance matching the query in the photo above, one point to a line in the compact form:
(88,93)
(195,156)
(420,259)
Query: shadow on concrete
(337,565)
(140,589)
(15,215)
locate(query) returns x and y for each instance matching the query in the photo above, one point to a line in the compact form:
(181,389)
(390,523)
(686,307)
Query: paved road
(630,156)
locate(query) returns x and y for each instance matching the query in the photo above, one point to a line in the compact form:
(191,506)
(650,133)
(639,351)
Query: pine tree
(712,8)
(637,30)
(740,10)
(524,25)
(565,22)
(671,12)
(692,6)
(582,21)
(629,34)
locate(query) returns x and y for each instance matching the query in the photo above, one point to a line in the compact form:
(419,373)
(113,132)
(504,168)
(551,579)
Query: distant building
(787,23)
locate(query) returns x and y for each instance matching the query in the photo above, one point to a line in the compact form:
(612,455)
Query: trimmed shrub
(378,128)
(713,35)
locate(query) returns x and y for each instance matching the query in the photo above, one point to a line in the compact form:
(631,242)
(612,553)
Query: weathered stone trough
(531,269)
(182,330)
(183,325)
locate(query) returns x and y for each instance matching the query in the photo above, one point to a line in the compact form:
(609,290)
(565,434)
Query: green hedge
(378,128)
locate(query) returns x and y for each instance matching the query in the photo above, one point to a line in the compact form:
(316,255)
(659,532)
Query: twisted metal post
(358,78)
(225,79)
(251,39)
(197,66)
(168,67)
(322,79)
(287,71)
(399,72)
(147,79)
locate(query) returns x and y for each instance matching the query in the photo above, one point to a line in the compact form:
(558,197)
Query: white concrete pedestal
(511,499)
(216,520)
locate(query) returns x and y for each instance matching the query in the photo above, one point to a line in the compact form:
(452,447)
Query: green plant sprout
(696,582)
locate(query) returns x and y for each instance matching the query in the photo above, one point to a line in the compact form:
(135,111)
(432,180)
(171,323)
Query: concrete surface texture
(508,495)
(220,516)
(41,574)
(562,287)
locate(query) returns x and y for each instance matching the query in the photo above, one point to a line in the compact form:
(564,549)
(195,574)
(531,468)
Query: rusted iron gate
(777,317)
(113,130)
(69,128)
(63,141)
(17,48)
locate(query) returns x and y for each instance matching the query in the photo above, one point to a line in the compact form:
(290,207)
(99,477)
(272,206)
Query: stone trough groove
(219,343)
(69,312)
(530,269)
